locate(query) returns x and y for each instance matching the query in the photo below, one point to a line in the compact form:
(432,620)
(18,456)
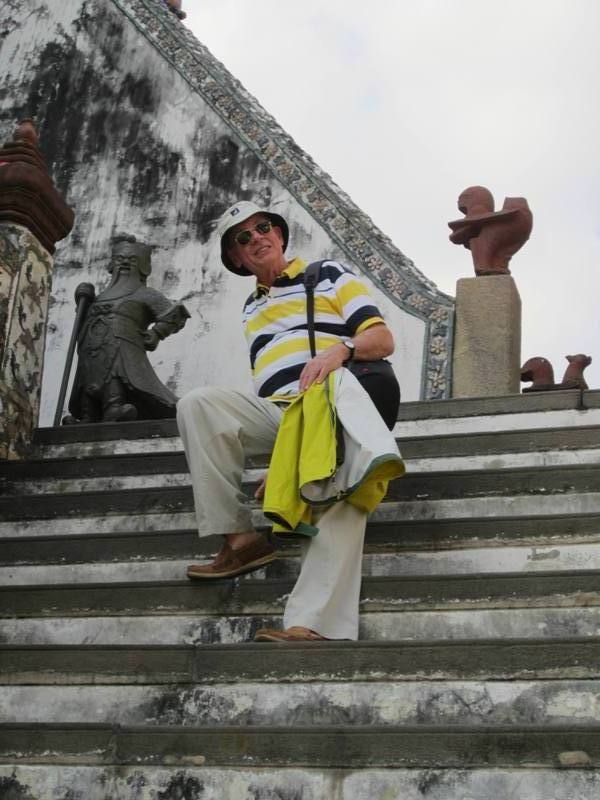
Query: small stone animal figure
(539,370)
(573,377)
(493,237)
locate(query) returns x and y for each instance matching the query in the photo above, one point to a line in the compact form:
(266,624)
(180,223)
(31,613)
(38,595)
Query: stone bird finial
(493,237)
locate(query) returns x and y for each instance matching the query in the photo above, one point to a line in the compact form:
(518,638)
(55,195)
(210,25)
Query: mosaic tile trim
(348,226)
(25,331)
(9,269)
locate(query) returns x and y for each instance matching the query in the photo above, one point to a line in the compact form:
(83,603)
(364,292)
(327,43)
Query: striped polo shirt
(276,328)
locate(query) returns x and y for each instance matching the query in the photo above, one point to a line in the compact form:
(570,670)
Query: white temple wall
(133,149)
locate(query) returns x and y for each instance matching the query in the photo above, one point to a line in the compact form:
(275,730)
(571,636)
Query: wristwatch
(352,349)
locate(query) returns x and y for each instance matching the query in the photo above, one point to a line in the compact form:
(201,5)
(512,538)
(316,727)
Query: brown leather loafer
(293,634)
(230,563)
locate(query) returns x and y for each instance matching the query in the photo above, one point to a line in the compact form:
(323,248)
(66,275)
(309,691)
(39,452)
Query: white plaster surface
(485,703)
(536,623)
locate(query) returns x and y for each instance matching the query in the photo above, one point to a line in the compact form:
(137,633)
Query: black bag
(376,377)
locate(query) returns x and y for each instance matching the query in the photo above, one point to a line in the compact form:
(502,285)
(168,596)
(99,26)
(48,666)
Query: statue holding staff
(115,381)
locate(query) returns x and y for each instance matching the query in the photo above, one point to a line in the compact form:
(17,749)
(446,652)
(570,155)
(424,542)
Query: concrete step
(469,659)
(200,629)
(413,448)
(251,596)
(395,517)
(465,561)
(260,783)
(429,419)
(538,404)
(341,747)
(504,451)
(53,543)
(480,622)
(434,703)
(564,480)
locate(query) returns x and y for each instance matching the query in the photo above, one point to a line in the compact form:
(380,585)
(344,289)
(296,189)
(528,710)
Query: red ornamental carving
(539,370)
(493,237)
(175,7)
(28,196)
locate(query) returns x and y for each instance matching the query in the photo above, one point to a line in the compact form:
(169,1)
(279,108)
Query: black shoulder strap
(311,279)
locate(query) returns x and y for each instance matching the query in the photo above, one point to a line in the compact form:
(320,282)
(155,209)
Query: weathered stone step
(169,461)
(77,444)
(214,783)
(378,703)
(200,629)
(432,486)
(402,515)
(53,544)
(161,469)
(333,747)
(466,561)
(505,405)
(459,464)
(572,588)
(483,660)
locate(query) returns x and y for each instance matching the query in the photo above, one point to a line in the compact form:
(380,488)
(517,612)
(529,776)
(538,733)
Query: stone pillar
(33,217)
(487,337)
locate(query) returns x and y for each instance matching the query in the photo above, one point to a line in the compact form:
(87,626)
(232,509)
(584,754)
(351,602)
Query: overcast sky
(406,103)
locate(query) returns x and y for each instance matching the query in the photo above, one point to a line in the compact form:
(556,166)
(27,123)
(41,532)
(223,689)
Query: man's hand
(369,345)
(319,367)
(260,489)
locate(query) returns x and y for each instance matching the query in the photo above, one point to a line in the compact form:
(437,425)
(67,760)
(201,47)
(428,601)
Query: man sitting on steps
(221,427)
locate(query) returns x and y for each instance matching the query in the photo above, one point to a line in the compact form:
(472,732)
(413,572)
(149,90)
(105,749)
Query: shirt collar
(293,269)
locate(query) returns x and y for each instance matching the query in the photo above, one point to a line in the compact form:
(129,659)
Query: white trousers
(219,429)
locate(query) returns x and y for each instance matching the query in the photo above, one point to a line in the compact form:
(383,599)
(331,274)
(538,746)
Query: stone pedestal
(25,281)
(487,338)
(33,217)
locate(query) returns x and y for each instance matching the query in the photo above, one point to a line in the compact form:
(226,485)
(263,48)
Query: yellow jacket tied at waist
(305,472)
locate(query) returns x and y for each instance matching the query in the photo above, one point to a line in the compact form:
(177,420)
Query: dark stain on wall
(223,162)
(276,793)
(62,81)
(12,789)
(88,108)
(182,787)
(156,167)
(233,174)
(96,104)
(428,781)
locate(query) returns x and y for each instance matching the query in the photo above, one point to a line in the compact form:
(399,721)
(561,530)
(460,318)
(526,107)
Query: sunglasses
(243,237)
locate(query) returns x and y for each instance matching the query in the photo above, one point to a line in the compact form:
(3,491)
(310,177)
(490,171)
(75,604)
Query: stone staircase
(477,676)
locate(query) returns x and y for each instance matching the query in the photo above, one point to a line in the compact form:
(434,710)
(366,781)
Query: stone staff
(85,293)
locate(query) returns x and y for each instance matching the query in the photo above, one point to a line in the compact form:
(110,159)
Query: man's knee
(199,401)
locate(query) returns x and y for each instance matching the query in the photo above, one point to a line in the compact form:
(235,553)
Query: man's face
(263,252)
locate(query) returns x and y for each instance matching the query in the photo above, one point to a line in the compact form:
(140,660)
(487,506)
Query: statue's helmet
(125,244)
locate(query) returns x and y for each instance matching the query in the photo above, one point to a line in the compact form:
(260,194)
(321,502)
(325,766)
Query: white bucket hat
(239,212)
